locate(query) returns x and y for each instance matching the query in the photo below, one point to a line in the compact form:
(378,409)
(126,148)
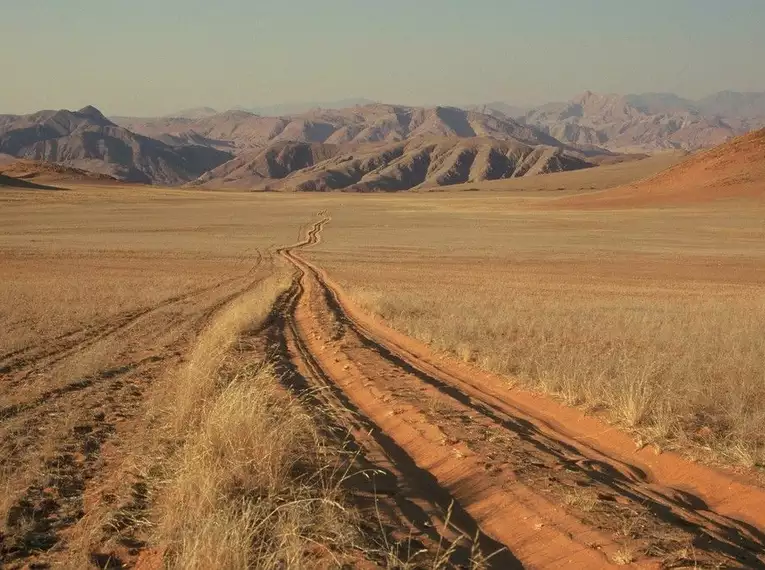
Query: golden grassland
(250,484)
(652,317)
(47,294)
(75,258)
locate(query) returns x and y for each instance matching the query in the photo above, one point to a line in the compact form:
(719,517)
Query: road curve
(539,485)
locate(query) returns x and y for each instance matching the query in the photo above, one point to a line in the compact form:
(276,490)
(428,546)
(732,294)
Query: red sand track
(509,461)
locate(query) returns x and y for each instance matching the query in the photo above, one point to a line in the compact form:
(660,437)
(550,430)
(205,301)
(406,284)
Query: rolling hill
(45,172)
(735,169)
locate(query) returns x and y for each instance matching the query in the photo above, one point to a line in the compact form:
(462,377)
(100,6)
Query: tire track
(26,362)
(406,449)
(408,494)
(530,466)
(66,458)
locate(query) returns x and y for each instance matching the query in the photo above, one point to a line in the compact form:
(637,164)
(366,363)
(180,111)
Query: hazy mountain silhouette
(304,107)
(86,139)
(194,113)
(649,121)
(370,123)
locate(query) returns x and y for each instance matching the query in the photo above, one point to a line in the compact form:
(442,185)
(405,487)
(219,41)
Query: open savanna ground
(231,380)
(113,302)
(653,315)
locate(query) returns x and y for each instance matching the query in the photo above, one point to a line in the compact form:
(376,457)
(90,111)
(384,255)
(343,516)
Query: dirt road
(443,454)
(455,452)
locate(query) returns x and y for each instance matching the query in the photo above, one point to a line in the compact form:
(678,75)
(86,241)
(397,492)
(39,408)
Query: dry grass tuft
(252,486)
(680,373)
(623,556)
(253,483)
(196,384)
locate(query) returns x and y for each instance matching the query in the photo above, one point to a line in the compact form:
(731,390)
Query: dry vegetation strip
(686,375)
(652,317)
(230,470)
(227,469)
(251,483)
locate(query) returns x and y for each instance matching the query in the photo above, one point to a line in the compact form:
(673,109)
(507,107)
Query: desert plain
(537,373)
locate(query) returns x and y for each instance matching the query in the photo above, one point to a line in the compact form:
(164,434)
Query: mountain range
(646,122)
(242,130)
(87,140)
(372,146)
(366,147)
(388,166)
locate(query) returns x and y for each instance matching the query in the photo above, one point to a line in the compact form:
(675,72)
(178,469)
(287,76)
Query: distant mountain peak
(591,96)
(238,114)
(84,140)
(648,121)
(288,109)
(92,112)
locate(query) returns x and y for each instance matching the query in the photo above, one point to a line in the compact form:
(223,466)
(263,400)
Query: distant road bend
(460,455)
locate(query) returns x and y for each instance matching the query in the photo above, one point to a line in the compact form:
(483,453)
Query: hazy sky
(157,56)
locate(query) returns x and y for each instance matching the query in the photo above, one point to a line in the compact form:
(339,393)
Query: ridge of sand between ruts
(718,503)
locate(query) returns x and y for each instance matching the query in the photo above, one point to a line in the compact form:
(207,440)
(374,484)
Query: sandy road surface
(537,484)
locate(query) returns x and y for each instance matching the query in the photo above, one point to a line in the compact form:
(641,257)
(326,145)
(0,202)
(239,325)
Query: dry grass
(74,259)
(653,318)
(43,296)
(678,372)
(253,483)
(196,384)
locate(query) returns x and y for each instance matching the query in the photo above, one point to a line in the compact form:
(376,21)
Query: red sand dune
(735,169)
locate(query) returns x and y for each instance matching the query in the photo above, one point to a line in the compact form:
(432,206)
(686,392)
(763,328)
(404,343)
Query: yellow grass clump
(683,374)
(253,483)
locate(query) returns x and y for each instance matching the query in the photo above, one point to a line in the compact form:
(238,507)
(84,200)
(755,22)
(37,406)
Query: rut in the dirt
(403,499)
(601,506)
(37,356)
(56,431)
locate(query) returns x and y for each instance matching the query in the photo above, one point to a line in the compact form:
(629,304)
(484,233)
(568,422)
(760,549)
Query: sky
(151,57)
